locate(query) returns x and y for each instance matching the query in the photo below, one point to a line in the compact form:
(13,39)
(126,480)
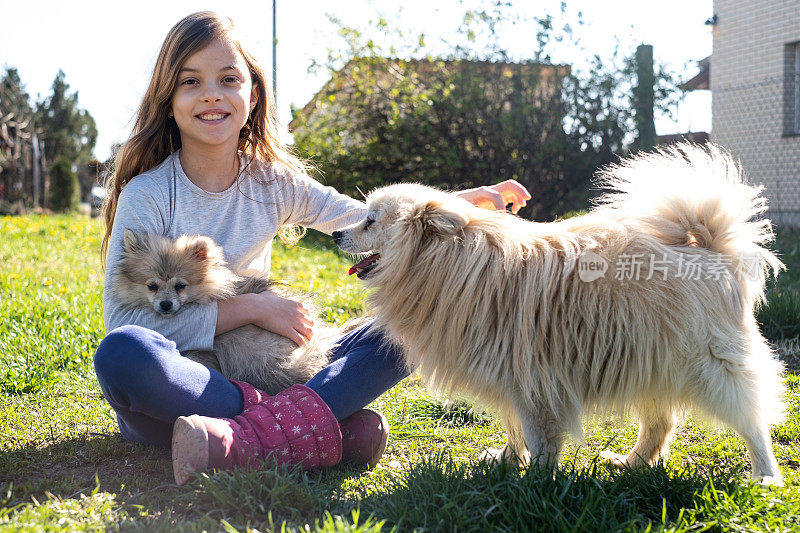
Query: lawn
(64,466)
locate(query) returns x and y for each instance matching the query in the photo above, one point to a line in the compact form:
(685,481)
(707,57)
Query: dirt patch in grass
(72,466)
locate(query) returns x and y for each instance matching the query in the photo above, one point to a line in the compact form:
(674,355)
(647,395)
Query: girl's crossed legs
(149,384)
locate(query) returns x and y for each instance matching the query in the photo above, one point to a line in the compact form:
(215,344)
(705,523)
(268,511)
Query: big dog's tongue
(363,265)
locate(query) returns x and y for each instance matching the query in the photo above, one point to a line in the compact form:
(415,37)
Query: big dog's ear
(438,217)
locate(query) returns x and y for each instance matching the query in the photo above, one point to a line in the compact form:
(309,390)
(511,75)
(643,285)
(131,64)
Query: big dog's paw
(493,456)
(615,459)
(771,481)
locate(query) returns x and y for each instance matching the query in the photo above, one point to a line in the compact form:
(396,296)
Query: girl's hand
(282,316)
(497,196)
(266,310)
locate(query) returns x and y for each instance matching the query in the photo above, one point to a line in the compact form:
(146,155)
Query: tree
(16,138)
(68,131)
(470,114)
(15,118)
(64,187)
(13,97)
(451,123)
(602,103)
(56,124)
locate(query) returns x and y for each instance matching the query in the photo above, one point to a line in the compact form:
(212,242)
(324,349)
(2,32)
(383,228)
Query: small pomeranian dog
(647,302)
(163,274)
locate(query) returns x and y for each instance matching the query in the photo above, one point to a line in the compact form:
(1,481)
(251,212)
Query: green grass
(64,467)
(780,315)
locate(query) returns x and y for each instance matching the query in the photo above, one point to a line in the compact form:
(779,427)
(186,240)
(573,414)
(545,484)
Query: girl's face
(214,97)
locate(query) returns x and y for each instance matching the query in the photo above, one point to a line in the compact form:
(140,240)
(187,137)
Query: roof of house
(702,79)
(338,82)
(698,137)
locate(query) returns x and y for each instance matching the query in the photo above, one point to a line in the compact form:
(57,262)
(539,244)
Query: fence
(23,180)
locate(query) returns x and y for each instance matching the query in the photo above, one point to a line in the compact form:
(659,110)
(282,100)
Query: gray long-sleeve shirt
(243,220)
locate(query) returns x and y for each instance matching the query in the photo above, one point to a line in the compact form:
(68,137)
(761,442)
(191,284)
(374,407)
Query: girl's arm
(266,310)
(311,204)
(323,208)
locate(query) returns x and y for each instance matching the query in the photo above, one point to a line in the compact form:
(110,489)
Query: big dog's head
(405,218)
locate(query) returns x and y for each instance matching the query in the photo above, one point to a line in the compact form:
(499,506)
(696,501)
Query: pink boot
(364,436)
(250,395)
(294,426)
(364,433)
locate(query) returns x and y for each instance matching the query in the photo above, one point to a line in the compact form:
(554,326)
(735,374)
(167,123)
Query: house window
(791,123)
(797,88)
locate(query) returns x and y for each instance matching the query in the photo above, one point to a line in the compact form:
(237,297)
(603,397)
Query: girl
(204,158)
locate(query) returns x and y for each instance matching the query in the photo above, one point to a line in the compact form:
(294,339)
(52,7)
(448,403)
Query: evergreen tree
(64,188)
(13,98)
(68,131)
(16,122)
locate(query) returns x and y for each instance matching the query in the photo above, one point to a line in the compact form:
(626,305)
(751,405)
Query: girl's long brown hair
(155,134)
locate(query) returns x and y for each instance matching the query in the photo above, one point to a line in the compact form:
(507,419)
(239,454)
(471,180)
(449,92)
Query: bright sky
(107,49)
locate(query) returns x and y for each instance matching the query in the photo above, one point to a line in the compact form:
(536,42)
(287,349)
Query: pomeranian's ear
(131,241)
(437,217)
(203,249)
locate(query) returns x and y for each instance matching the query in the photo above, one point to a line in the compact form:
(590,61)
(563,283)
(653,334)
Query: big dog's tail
(695,195)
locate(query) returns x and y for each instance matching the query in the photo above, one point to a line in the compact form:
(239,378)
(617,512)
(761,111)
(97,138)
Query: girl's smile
(213,116)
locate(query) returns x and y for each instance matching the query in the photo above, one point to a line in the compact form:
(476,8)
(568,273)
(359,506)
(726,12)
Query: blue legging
(149,384)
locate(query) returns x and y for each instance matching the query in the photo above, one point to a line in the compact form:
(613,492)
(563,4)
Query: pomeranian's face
(165,274)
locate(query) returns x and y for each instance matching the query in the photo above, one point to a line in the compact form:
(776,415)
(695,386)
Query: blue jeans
(149,384)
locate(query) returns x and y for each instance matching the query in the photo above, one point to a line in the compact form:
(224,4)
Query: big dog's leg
(759,448)
(544,432)
(514,449)
(741,386)
(743,415)
(656,424)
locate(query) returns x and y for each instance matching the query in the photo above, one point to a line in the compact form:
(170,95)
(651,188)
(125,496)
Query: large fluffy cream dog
(644,303)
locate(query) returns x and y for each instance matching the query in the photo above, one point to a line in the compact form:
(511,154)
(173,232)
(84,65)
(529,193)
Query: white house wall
(753,98)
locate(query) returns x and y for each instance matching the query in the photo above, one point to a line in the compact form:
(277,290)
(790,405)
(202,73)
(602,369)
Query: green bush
(779,317)
(449,123)
(64,187)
